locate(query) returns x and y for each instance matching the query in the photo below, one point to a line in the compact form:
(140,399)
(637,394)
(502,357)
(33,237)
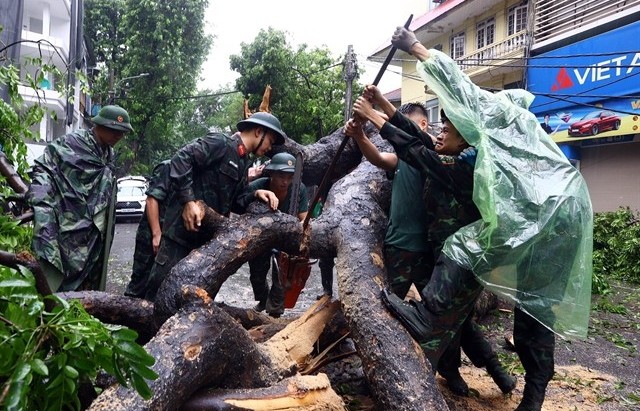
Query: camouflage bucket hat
(114,117)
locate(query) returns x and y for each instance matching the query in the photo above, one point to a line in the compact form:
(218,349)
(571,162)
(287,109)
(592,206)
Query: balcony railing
(493,54)
(33,49)
(50,98)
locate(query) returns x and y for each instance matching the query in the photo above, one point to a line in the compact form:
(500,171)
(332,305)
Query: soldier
(212,169)
(279,175)
(535,235)
(73,198)
(149,231)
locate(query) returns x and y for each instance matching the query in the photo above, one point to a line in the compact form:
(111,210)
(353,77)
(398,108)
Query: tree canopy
(165,39)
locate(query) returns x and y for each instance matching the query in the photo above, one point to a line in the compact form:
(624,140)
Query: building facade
(584,69)
(580,58)
(52,31)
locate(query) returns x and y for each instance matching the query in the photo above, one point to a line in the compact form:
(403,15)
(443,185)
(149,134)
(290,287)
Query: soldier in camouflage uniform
(149,231)
(417,230)
(212,169)
(279,175)
(73,198)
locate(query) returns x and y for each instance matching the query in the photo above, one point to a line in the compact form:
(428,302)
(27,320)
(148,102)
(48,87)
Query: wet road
(236,291)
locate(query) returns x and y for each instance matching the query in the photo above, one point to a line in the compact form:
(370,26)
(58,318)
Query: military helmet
(265,120)
(114,117)
(283,162)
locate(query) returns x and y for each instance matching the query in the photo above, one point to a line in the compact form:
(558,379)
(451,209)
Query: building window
(517,18)
(433,116)
(457,46)
(485,33)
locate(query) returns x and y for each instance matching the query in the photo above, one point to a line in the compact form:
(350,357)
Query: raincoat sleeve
(412,149)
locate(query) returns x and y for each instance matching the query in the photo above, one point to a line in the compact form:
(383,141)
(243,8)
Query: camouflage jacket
(72,194)
(448,186)
(212,169)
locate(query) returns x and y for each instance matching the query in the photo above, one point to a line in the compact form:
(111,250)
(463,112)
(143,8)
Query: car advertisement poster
(589,89)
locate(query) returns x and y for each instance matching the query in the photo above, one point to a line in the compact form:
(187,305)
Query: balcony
(49,54)
(497,57)
(51,99)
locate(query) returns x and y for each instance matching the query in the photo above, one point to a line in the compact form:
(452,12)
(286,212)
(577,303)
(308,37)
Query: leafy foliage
(616,247)
(220,110)
(44,357)
(16,118)
(308,87)
(163,38)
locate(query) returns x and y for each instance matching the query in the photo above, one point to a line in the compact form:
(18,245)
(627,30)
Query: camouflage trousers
(407,267)
(274,296)
(143,258)
(169,254)
(449,298)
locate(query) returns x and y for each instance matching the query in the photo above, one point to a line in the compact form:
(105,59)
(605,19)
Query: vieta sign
(584,72)
(601,71)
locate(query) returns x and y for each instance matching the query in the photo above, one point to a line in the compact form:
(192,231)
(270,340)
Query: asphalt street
(236,291)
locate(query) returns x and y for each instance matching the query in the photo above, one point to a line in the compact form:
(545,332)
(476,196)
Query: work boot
(455,382)
(532,398)
(329,293)
(260,306)
(503,380)
(274,310)
(412,314)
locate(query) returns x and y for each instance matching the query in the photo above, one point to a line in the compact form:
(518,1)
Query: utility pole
(350,71)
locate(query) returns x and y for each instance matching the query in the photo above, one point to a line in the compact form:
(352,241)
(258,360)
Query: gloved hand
(404,39)
(468,155)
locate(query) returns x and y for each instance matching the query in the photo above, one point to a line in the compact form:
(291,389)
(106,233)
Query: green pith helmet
(283,162)
(114,117)
(265,120)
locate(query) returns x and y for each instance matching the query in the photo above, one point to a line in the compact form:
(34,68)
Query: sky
(366,25)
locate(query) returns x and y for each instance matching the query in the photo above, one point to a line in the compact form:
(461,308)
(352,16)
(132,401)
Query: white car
(131,197)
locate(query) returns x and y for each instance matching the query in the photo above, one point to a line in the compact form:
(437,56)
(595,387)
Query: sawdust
(572,388)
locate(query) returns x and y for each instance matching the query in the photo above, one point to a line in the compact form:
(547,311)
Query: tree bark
(202,346)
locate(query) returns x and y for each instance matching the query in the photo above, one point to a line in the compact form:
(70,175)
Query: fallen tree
(199,346)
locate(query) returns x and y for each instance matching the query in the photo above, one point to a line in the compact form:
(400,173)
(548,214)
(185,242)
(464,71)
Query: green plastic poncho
(534,242)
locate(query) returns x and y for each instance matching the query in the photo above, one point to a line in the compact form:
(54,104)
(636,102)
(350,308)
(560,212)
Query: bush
(616,248)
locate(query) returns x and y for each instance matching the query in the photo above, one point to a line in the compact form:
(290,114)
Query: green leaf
(141,386)
(144,372)
(125,334)
(39,367)
(119,374)
(70,372)
(136,352)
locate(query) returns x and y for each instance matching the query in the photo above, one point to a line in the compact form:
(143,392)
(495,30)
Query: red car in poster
(594,123)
